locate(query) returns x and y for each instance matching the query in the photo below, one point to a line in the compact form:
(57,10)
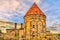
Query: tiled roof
(34,10)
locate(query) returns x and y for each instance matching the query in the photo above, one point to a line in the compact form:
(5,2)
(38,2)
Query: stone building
(35,23)
(16,33)
(34,27)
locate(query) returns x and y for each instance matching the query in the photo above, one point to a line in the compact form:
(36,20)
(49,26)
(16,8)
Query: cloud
(3,30)
(11,10)
(22,7)
(52,11)
(55,27)
(36,1)
(10,5)
(7,7)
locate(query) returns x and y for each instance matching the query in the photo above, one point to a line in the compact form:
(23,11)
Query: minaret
(35,23)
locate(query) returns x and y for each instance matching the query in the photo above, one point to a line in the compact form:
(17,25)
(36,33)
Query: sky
(14,10)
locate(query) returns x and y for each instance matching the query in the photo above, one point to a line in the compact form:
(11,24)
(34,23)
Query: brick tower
(35,23)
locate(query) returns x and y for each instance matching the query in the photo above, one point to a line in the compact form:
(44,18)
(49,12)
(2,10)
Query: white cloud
(11,8)
(22,7)
(3,30)
(10,5)
(36,1)
(7,7)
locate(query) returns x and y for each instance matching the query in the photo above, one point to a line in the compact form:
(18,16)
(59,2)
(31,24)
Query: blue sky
(14,10)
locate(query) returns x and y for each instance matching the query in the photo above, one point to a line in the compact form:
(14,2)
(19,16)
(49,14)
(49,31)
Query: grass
(16,36)
(1,38)
(57,34)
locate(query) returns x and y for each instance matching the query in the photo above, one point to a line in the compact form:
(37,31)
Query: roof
(34,10)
